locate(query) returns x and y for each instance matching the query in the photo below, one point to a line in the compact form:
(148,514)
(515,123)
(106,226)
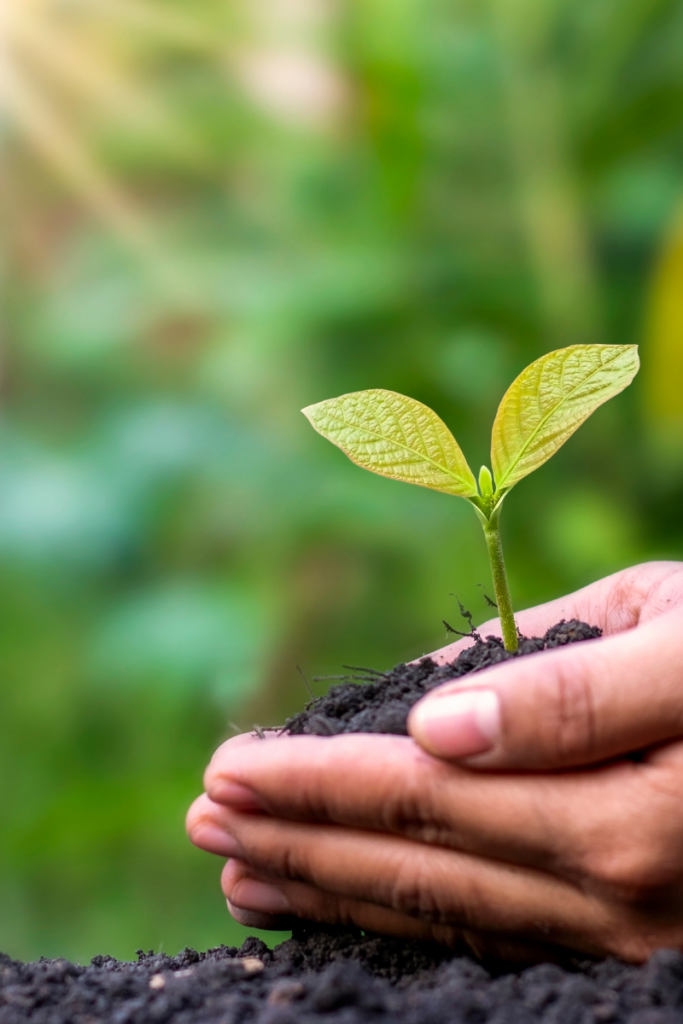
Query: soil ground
(319,977)
(342,976)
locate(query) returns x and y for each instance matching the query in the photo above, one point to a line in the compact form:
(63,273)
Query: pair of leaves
(400,438)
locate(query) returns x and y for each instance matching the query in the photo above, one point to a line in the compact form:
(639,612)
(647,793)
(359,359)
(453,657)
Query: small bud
(157,981)
(485,483)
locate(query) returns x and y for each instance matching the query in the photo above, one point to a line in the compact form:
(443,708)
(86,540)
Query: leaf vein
(406,447)
(551,412)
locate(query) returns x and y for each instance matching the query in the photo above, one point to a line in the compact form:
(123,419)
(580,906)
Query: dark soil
(337,978)
(372,701)
(339,975)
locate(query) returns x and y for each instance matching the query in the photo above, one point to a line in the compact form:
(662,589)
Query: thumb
(573,706)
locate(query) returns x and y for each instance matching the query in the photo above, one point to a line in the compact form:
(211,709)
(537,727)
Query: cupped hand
(536,806)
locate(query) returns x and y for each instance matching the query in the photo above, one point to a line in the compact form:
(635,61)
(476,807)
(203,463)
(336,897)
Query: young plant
(400,438)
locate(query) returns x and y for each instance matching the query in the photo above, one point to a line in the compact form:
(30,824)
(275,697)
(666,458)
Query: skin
(547,827)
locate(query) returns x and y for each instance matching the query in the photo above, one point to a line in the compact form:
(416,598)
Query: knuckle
(569,726)
(413,809)
(626,597)
(629,941)
(414,893)
(632,855)
(338,910)
(410,891)
(290,863)
(631,871)
(402,812)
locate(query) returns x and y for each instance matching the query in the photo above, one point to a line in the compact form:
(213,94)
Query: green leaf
(397,437)
(550,400)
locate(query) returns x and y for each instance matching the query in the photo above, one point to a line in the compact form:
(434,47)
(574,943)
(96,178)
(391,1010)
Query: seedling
(400,438)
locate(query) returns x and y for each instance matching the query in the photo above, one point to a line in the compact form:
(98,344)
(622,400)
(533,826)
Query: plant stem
(500,583)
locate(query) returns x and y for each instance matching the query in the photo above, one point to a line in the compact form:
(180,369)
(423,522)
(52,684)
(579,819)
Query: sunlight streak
(88,75)
(52,137)
(62,74)
(158,21)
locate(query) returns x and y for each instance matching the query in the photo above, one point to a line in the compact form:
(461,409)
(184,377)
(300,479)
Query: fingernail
(266,899)
(234,795)
(216,840)
(460,724)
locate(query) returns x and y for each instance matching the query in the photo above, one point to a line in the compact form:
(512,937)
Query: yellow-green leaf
(550,400)
(397,437)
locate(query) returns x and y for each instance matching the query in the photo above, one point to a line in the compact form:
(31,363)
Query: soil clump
(370,701)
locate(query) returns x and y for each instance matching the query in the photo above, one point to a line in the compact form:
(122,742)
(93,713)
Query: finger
(387,784)
(204,824)
(258,900)
(572,706)
(253,900)
(441,887)
(281,901)
(616,603)
(610,830)
(234,746)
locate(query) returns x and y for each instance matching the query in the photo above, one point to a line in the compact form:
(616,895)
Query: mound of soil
(341,975)
(372,701)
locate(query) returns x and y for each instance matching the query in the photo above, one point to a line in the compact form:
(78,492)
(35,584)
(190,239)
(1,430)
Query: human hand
(540,830)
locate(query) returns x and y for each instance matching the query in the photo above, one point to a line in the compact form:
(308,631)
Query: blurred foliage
(214,214)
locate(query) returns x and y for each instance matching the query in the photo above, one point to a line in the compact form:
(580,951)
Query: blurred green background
(214,213)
